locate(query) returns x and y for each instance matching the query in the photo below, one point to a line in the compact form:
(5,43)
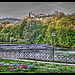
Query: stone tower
(31,15)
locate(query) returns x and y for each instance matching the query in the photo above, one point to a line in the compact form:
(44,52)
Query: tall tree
(32,30)
(21,28)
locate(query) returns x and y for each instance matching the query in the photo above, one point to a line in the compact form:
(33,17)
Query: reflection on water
(68,50)
(37,46)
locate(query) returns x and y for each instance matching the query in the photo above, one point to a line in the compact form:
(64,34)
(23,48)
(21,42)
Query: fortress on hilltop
(32,16)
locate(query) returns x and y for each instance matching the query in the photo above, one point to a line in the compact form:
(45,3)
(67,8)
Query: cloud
(50,7)
(20,9)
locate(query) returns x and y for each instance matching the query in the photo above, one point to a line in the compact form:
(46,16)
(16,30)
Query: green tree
(70,40)
(21,28)
(11,39)
(2,37)
(1,28)
(32,30)
(42,36)
(6,30)
(7,37)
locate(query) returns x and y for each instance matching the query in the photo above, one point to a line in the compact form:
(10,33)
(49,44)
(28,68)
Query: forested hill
(39,31)
(10,19)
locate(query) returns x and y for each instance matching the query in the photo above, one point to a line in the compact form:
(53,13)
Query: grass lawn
(42,67)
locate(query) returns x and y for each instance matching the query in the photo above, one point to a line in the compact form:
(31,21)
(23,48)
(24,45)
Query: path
(41,61)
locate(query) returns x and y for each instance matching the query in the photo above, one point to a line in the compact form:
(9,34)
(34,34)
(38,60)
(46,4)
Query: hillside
(7,22)
(9,19)
(33,30)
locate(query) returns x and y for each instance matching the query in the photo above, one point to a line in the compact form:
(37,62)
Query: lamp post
(53,34)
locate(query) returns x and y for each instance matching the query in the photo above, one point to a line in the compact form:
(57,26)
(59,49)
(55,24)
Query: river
(18,46)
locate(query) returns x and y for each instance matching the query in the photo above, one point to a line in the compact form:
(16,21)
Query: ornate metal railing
(42,54)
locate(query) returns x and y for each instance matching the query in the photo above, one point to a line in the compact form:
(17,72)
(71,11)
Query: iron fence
(40,54)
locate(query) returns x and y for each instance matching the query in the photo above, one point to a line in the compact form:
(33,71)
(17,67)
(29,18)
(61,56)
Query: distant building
(31,15)
(42,15)
(39,18)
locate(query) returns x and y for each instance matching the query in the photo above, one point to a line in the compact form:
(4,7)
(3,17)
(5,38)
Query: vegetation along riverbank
(31,30)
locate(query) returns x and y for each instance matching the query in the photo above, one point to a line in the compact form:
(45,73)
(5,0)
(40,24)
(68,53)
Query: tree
(70,36)
(64,31)
(32,30)
(7,37)
(2,37)
(6,30)
(51,28)
(21,28)
(60,37)
(73,14)
(11,39)
(9,26)
(42,36)
(1,28)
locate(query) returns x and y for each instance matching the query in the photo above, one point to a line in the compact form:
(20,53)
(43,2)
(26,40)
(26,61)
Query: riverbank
(31,46)
(63,47)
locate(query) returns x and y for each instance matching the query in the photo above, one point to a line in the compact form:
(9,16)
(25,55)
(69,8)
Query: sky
(22,9)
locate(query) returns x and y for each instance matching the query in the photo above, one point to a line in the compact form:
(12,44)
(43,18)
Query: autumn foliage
(9,26)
